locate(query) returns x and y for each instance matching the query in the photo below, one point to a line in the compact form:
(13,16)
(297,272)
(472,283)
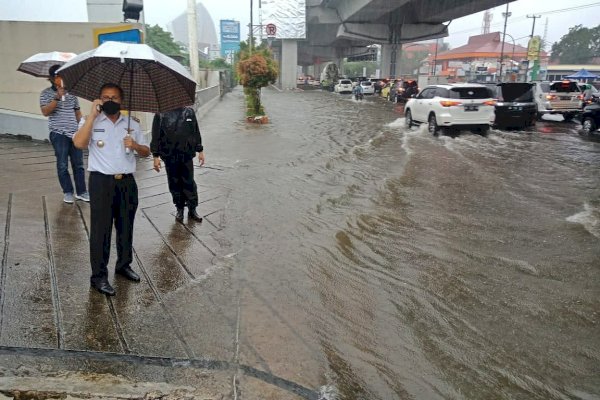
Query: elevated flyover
(341,28)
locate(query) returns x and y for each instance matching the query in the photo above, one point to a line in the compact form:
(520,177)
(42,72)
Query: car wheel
(433,127)
(588,126)
(568,117)
(539,116)
(408,121)
(482,130)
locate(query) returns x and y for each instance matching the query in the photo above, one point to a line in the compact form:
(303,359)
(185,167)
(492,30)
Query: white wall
(19,92)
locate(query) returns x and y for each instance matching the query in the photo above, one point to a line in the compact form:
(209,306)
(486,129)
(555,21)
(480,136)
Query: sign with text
(230,38)
(533,48)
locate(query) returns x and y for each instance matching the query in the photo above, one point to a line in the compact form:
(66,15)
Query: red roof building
(481,55)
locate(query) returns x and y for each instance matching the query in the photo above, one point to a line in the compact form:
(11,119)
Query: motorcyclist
(358,92)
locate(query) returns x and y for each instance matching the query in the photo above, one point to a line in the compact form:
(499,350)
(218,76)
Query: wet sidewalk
(180,325)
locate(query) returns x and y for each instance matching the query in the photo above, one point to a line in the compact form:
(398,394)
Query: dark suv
(515,107)
(590,117)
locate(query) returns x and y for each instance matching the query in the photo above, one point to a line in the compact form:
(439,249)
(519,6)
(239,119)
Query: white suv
(460,106)
(560,97)
(343,86)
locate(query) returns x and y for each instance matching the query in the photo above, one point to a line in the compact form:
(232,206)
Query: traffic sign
(271,30)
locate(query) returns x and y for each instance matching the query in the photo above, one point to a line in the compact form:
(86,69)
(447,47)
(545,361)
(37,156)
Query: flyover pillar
(391,55)
(289,63)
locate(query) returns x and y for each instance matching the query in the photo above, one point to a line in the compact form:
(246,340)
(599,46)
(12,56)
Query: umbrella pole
(129,102)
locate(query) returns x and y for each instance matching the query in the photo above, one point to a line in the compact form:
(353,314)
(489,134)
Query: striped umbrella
(151,81)
(39,64)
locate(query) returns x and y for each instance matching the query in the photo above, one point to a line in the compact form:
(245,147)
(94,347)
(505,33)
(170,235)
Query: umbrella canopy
(582,74)
(152,81)
(39,64)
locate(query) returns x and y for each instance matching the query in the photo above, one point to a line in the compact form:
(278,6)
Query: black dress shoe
(104,288)
(128,273)
(192,214)
(179,215)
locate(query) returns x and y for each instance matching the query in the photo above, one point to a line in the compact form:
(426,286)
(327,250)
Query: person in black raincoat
(176,140)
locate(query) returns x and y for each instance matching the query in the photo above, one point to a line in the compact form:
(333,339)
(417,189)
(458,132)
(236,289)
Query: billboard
(230,39)
(289,16)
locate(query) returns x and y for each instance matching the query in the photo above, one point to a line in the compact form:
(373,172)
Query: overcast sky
(584,12)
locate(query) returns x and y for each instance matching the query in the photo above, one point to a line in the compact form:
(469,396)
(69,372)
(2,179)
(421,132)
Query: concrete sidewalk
(175,332)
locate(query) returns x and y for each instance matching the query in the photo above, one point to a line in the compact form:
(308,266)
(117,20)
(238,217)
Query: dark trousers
(63,149)
(180,175)
(111,200)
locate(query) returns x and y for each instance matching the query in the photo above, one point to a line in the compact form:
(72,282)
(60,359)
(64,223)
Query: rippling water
(403,266)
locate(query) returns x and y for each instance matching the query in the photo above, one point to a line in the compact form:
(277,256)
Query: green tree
(255,70)
(579,46)
(219,63)
(163,41)
(411,61)
(355,68)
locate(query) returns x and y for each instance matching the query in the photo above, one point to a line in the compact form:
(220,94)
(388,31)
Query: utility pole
(435,57)
(505,15)
(193,39)
(531,37)
(251,30)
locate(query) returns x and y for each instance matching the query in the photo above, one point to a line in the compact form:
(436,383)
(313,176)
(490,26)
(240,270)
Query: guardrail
(206,95)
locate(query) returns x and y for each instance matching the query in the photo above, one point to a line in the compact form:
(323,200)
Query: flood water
(397,265)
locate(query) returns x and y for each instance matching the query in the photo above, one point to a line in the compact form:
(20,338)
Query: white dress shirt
(107,153)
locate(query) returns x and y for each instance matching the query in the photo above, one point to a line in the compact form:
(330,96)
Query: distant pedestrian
(113,190)
(62,110)
(176,140)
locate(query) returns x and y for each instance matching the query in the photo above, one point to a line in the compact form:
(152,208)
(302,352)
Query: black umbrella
(152,81)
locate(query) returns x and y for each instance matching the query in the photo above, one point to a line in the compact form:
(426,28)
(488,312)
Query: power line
(522,18)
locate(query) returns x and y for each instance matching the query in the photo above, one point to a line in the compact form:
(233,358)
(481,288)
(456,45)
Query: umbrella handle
(127,149)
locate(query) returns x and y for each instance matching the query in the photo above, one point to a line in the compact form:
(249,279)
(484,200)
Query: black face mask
(111,108)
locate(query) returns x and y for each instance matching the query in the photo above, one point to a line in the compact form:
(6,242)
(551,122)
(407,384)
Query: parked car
(590,117)
(385,89)
(378,84)
(368,87)
(392,94)
(358,79)
(460,106)
(515,105)
(343,86)
(559,97)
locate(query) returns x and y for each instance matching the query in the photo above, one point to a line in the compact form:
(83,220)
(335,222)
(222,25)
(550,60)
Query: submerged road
(341,256)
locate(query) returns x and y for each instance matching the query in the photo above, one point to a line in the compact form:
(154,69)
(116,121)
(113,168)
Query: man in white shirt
(112,187)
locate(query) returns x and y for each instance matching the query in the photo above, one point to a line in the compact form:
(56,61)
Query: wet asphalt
(341,256)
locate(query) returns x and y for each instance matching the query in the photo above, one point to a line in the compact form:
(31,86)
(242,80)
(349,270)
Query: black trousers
(111,201)
(180,175)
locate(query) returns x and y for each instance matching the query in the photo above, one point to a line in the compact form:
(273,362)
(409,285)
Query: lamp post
(435,57)
(505,15)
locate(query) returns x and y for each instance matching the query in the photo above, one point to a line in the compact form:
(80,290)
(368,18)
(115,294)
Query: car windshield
(516,92)
(470,93)
(346,82)
(366,83)
(564,87)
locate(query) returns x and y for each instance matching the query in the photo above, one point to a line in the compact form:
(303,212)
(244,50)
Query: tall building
(207,34)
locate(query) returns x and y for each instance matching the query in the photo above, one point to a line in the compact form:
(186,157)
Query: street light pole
(251,27)
(435,57)
(506,15)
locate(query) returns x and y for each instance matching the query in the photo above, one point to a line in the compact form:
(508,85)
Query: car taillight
(490,103)
(580,97)
(550,97)
(450,103)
